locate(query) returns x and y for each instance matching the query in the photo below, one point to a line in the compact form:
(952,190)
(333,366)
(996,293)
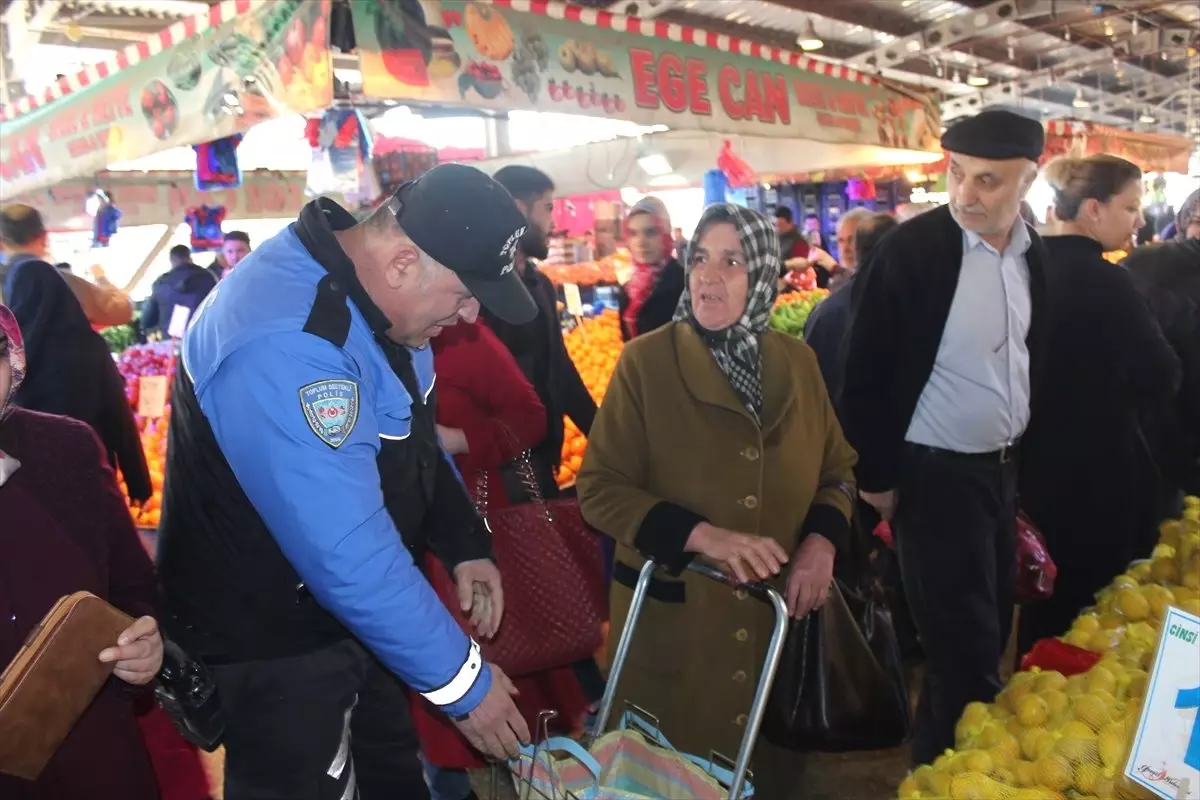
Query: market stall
(1106,711)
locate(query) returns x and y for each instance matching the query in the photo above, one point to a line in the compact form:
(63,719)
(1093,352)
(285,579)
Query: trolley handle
(763,592)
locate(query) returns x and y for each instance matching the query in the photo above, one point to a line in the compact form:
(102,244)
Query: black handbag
(840,686)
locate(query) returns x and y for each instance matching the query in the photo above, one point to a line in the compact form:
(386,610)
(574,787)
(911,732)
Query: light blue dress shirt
(977,397)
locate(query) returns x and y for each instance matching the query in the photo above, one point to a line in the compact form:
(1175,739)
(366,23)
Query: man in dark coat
(538,346)
(182,287)
(825,329)
(1168,276)
(69,368)
(941,360)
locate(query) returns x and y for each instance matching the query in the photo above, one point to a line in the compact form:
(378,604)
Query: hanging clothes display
(205,222)
(341,161)
(105,217)
(217,164)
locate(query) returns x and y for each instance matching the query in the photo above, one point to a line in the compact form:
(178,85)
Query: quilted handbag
(552,570)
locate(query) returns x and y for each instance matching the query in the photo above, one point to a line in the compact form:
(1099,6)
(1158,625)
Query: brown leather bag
(53,679)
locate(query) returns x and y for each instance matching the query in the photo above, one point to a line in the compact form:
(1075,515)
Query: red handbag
(552,570)
(1036,571)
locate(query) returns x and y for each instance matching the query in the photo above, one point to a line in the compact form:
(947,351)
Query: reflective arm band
(461,683)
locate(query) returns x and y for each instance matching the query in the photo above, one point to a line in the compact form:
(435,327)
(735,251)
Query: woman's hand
(138,654)
(745,556)
(810,575)
(453,440)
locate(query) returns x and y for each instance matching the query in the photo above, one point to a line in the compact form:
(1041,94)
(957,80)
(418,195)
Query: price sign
(1165,758)
(177,327)
(152,395)
(574,301)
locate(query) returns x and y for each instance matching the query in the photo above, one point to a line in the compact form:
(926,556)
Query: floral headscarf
(641,283)
(738,348)
(12,345)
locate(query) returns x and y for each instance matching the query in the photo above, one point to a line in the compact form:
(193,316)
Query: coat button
(740,720)
(741,594)
(750,502)
(751,453)
(739,676)
(742,635)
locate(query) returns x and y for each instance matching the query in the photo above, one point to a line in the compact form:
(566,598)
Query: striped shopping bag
(622,765)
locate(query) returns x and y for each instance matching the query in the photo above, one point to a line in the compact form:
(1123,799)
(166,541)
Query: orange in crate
(594,347)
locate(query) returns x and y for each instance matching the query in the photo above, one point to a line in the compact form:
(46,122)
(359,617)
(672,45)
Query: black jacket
(69,370)
(1168,277)
(900,303)
(540,352)
(825,332)
(660,305)
(186,285)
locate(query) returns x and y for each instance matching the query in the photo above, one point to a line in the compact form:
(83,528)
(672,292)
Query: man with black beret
(942,358)
(305,480)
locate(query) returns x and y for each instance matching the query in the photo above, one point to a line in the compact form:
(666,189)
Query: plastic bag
(840,686)
(1035,569)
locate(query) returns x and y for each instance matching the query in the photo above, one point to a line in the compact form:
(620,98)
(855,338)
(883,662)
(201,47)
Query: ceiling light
(977,78)
(655,164)
(1147,118)
(809,40)
(1080,101)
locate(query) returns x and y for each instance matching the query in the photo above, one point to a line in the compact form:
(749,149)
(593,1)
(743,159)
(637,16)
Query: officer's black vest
(231,594)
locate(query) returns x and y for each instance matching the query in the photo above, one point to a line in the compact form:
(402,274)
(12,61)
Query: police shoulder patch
(331,409)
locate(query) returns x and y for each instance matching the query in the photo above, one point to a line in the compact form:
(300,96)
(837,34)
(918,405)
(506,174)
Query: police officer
(305,473)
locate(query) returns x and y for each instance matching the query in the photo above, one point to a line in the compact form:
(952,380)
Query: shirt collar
(8,465)
(1018,244)
(315,227)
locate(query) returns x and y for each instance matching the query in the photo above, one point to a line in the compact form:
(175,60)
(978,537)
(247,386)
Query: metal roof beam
(968,25)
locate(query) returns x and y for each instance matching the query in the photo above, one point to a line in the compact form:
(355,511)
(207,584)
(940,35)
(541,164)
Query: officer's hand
(495,728)
(480,595)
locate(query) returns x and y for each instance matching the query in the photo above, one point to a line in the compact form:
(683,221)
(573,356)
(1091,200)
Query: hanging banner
(550,56)
(215,75)
(1152,152)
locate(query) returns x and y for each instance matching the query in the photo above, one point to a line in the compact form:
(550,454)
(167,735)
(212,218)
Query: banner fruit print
(548,56)
(266,60)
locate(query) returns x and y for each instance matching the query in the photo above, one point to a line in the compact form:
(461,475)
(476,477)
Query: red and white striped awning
(165,39)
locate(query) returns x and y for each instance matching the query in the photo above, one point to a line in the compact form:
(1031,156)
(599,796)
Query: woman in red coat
(66,529)
(487,415)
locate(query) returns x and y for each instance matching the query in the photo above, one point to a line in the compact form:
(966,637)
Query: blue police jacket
(300,421)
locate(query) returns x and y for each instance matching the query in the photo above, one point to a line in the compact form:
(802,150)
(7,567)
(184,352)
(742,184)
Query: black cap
(996,135)
(469,223)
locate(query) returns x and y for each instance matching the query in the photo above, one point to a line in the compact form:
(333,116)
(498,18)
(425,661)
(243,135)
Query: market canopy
(198,80)
(550,56)
(244,62)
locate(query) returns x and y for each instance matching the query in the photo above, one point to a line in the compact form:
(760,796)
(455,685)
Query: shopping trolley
(534,773)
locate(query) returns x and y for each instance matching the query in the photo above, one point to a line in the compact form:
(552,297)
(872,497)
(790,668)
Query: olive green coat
(671,428)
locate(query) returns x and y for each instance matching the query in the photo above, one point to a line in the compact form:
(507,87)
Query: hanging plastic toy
(734,166)
(217,164)
(105,217)
(205,222)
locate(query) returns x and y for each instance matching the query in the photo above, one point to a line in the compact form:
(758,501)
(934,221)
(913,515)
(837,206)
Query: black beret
(469,223)
(996,135)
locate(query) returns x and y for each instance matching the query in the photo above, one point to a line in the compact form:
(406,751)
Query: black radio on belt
(188,693)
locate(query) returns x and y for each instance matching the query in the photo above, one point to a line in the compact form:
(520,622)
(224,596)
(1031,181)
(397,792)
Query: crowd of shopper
(964,366)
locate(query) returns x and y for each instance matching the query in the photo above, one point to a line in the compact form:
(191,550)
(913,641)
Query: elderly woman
(717,439)
(66,529)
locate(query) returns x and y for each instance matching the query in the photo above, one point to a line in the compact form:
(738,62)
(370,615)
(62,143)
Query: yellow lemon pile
(1052,737)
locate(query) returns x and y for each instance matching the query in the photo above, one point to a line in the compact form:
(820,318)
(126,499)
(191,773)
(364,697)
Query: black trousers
(328,725)
(955,529)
